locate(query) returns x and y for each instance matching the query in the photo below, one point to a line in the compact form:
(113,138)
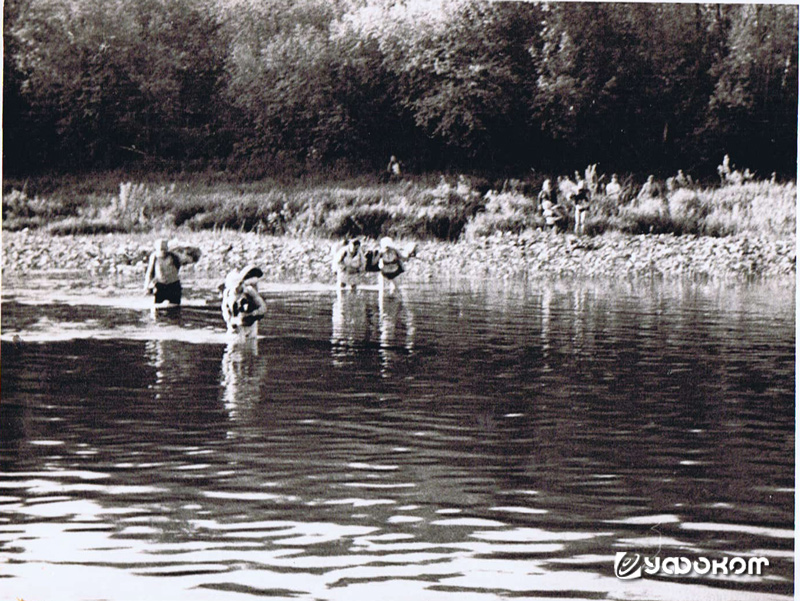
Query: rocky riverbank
(120,259)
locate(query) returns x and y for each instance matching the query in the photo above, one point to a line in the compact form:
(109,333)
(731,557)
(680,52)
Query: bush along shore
(466,227)
(119,260)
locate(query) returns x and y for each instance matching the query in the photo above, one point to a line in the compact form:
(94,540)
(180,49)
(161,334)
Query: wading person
(348,263)
(242,305)
(161,278)
(390,263)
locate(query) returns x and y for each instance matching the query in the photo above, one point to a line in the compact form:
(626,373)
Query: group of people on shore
(555,203)
(242,305)
(572,198)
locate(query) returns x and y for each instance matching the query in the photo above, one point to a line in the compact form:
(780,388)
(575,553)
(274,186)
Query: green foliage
(119,79)
(629,81)
(297,87)
(754,102)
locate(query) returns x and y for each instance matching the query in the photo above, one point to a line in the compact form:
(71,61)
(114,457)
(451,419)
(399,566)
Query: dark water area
(469,440)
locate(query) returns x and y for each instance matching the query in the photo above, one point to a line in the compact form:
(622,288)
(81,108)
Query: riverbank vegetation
(273,88)
(278,117)
(433,207)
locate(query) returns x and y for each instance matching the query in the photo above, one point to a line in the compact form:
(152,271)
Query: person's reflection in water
(241,377)
(156,355)
(579,318)
(173,365)
(350,326)
(156,349)
(544,333)
(166,314)
(396,330)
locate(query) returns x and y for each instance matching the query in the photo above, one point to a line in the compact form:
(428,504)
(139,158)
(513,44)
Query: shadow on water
(473,439)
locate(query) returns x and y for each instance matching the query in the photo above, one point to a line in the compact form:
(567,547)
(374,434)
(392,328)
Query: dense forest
(256,87)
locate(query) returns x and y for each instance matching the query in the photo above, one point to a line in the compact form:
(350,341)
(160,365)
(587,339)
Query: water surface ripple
(475,440)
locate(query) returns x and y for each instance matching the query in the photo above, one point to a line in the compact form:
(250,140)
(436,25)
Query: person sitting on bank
(162,279)
(681,180)
(394,169)
(554,214)
(650,189)
(614,189)
(242,305)
(390,262)
(348,263)
(546,194)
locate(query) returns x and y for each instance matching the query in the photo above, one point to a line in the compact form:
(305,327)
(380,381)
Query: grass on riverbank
(431,207)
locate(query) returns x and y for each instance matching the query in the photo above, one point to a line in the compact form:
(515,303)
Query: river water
(468,440)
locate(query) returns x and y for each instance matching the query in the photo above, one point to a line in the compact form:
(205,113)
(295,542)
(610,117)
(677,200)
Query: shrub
(598,224)
(688,211)
(189,210)
(80,225)
(360,221)
(757,207)
(648,216)
(487,224)
(18,204)
(502,212)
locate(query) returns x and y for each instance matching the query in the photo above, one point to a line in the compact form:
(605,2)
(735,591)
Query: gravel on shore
(532,254)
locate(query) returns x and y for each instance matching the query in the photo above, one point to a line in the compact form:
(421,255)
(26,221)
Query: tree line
(264,86)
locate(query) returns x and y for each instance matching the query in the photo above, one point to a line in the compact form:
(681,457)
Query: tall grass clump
(764,208)
(752,207)
(646,216)
(21,211)
(504,212)
(402,210)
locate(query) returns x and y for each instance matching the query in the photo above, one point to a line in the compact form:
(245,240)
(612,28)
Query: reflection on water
(241,375)
(474,440)
(354,328)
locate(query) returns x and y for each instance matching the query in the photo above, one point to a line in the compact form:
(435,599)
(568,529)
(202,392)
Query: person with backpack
(348,263)
(390,263)
(161,278)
